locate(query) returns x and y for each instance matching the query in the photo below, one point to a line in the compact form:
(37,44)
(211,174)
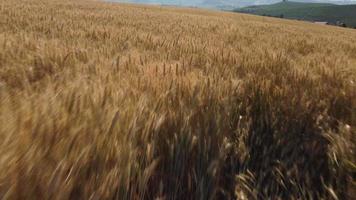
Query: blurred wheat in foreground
(115,101)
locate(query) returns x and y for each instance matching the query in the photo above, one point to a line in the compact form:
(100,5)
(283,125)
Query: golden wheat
(118,101)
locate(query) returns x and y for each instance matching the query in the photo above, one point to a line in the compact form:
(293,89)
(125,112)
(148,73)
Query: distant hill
(325,12)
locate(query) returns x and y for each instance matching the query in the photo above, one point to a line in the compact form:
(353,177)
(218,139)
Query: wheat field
(118,101)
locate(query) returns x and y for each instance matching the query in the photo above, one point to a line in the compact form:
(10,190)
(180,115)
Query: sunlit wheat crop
(117,101)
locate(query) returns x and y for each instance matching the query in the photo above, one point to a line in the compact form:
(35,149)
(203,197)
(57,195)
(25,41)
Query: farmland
(118,101)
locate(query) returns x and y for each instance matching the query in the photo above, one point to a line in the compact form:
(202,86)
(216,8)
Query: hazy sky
(222,3)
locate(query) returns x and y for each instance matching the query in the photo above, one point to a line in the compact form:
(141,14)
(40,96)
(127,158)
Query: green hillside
(307,11)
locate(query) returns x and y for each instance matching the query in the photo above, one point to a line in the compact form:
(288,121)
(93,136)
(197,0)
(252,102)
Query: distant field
(307,11)
(118,101)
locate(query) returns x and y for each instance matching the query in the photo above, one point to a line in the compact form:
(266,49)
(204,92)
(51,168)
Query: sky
(226,3)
